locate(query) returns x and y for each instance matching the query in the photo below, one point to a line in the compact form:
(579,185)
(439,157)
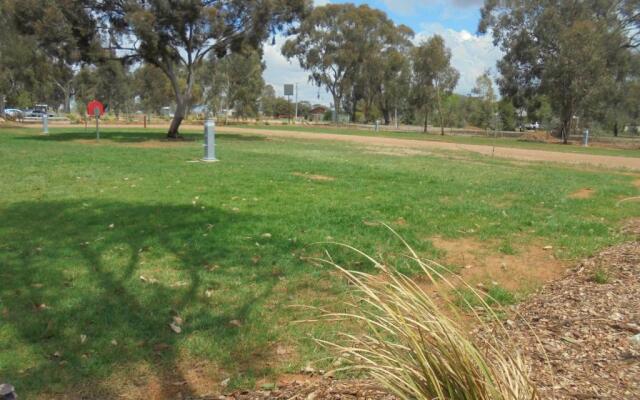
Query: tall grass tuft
(414,344)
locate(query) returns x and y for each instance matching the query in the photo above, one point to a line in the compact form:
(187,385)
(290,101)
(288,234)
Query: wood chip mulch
(580,337)
(586,330)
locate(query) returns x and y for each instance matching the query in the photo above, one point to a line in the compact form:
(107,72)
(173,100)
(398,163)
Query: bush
(416,350)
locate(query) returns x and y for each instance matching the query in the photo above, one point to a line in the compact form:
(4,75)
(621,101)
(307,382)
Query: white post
(209,141)
(45,124)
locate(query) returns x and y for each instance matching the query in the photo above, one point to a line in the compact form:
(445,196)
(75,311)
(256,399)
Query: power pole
(296,120)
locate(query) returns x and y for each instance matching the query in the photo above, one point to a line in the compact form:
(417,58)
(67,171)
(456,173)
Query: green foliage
(600,276)
(433,77)
(355,52)
(570,52)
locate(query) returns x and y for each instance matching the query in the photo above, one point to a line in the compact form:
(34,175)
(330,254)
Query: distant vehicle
(13,113)
(532,126)
(38,111)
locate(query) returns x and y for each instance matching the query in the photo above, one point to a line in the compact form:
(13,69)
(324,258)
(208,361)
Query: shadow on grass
(120,135)
(74,309)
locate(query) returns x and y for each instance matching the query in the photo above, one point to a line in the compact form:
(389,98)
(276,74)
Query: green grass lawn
(489,141)
(101,245)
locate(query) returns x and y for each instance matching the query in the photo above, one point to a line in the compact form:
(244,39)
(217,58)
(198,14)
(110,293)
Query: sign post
(288,91)
(96,109)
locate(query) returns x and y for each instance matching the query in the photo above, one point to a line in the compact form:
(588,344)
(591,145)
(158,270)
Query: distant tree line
(567,64)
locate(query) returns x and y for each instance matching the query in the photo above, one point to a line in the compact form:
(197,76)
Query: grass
(110,241)
(460,139)
(600,276)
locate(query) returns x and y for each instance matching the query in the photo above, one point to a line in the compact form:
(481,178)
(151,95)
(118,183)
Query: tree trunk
(426,120)
(440,112)
(2,105)
(615,129)
(178,117)
(386,114)
(566,129)
(336,109)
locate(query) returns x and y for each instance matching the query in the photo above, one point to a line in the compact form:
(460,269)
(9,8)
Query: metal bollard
(586,138)
(209,141)
(45,124)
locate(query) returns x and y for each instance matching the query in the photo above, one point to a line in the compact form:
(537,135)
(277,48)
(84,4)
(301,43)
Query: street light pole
(296,120)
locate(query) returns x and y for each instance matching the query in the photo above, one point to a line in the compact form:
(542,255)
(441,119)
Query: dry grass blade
(414,346)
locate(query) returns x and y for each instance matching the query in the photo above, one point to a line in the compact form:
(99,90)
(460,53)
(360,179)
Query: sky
(455,20)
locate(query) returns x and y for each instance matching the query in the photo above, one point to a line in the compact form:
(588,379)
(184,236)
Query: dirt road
(502,152)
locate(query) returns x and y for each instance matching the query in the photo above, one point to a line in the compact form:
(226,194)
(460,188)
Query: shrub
(415,348)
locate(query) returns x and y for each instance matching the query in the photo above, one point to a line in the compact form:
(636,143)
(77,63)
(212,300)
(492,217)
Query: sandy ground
(502,152)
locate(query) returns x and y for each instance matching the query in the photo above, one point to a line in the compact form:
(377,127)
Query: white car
(13,113)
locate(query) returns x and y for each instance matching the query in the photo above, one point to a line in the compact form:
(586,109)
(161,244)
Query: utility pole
(296,120)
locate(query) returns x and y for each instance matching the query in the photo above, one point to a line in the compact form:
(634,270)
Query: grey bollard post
(377,125)
(586,138)
(209,141)
(96,113)
(45,124)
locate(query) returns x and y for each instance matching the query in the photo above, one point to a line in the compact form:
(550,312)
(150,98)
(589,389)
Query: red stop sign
(93,106)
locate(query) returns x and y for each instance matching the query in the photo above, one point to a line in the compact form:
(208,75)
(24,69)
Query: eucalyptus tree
(566,50)
(350,50)
(234,81)
(433,77)
(176,36)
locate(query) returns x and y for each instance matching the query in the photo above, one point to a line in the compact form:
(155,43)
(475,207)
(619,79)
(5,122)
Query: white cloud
(280,71)
(471,55)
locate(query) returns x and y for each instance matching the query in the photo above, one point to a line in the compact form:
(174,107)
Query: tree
(565,50)
(349,50)
(175,36)
(64,35)
(153,89)
(267,100)
(484,113)
(433,77)
(235,81)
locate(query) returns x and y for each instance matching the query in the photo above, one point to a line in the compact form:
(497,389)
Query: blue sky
(455,20)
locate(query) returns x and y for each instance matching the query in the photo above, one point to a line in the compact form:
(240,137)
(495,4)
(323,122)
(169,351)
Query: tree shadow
(90,287)
(134,135)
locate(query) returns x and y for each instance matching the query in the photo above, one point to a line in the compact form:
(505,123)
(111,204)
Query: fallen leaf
(177,320)
(175,327)
(266,235)
(547,248)
(235,323)
(114,342)
(111,226)
(83,338)
(208,293)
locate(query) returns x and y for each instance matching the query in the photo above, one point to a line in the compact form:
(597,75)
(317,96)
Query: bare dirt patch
(425,145)
(481,262)
(314,177)
(538,137)
(584,193)
(396,151)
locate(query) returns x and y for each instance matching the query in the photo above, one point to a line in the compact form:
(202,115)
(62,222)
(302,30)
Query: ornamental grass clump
(414,344)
